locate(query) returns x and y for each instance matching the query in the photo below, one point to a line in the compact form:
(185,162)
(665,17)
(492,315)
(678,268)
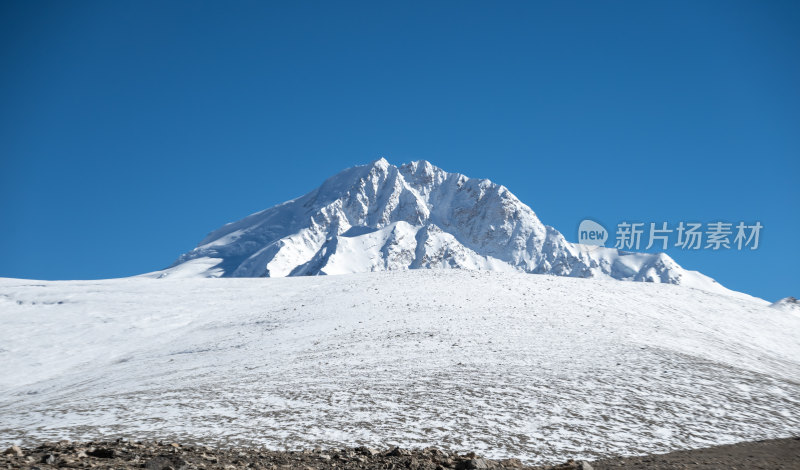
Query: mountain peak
(378,216)
(420,165)
(381,163)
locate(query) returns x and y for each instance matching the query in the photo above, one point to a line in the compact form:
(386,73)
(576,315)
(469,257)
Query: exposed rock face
(382,217)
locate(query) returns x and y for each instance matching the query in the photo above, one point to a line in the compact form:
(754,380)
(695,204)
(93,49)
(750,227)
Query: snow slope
(379,217)
(509,364)
(788,304)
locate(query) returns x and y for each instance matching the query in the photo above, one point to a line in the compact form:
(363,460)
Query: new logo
(591,233)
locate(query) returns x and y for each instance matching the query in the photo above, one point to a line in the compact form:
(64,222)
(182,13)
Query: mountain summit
(379,217)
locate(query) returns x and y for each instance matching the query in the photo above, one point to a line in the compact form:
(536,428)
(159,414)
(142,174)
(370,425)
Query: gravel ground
(124,454)
(768,454)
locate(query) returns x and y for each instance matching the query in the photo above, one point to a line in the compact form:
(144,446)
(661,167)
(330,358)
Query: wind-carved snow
(508,364)
(787,304)
(380,217)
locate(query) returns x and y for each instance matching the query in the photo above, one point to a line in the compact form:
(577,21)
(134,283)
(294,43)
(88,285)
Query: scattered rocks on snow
(14,450)
(165,463)
(123,454)
(101,453)
(474,464)
(128,455)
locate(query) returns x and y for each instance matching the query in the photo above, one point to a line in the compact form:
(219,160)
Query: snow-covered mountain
(788,304)
(380,217)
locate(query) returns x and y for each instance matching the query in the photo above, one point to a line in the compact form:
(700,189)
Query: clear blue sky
(129,130)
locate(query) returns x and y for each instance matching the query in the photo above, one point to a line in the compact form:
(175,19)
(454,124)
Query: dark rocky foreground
(123,454)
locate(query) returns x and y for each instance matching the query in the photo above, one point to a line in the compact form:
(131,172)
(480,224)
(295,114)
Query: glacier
(382,217)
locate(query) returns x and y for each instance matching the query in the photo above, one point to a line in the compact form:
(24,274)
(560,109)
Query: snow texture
(381,217)
(507,364)
(788,304)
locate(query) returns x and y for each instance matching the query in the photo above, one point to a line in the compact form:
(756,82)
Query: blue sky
(129,130)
